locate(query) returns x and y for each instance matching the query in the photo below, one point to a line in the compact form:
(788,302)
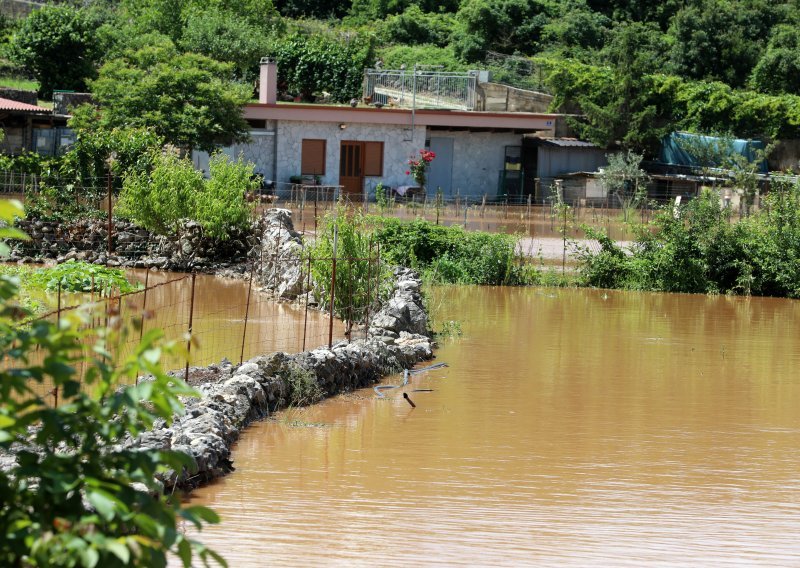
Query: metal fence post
(191,321)
(247,311)
(308,291)
(333,284)
(58,324)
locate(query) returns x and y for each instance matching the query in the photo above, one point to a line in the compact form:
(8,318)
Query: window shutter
(373,158)
(312,161)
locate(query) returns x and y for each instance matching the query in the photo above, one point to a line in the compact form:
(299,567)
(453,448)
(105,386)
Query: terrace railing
(407,88)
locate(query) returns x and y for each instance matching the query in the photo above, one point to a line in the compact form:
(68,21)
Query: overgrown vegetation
(635,71)
(75,496)
(697,248)
(70,276)
(303,387)
(173,191)
(361,281)
(451,254)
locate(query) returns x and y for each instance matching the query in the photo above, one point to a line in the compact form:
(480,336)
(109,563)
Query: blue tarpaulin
(677,148)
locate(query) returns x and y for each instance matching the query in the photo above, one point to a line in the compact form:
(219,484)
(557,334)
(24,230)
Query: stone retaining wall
(236,396)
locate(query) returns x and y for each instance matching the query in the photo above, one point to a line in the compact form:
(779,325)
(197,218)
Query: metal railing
(407,88)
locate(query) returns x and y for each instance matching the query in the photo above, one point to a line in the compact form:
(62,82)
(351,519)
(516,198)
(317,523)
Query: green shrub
(174,190)
(698,249)
(450,254)
(303,387)
(74,276)
(360,282)
(75,495)
(222,206)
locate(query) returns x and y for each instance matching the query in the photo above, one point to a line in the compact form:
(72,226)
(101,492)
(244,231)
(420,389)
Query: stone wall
(502,98)
(478,158)
(132,246)
(236,396)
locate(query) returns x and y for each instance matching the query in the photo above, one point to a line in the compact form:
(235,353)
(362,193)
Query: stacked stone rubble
(261,385)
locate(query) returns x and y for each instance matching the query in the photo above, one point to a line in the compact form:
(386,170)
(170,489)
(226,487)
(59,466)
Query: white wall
(478,157)
(260,151)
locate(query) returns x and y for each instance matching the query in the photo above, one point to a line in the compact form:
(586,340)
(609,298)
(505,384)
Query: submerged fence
(220,318)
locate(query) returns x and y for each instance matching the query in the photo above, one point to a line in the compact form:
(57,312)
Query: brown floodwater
(572,428)
(218,320)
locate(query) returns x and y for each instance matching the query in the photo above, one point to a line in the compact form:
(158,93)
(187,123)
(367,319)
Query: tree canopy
(60,46)
(186,98)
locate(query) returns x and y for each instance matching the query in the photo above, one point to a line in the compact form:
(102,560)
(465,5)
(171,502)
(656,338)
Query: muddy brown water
(572,428)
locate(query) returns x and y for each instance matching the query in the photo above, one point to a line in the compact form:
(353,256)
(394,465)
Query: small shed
(546,159)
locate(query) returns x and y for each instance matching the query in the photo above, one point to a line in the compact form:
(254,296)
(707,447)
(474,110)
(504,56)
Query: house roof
(518,121)
(563,142)
(8,104)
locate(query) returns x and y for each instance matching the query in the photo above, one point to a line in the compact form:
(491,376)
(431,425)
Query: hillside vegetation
(634,69)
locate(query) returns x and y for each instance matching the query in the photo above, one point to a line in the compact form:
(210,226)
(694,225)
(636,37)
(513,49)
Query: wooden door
(351,168)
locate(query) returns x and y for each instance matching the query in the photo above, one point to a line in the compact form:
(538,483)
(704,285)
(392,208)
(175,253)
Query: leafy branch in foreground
(72,493)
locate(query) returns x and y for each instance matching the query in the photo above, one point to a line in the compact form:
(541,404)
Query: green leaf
(119,550)
(89,557)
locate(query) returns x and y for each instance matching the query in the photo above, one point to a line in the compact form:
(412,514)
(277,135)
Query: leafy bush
(74,276)
(174,190)
(360,281)
(697,249)
(309,65)
(159,199)
(75,496)
(222,205)
(451,254)
(303,386)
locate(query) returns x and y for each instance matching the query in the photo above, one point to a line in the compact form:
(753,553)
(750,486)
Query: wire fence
(222,318)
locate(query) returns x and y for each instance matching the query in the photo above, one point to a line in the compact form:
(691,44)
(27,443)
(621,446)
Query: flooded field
(572,428)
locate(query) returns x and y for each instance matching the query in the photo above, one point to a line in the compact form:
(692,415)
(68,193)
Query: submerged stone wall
(238,395)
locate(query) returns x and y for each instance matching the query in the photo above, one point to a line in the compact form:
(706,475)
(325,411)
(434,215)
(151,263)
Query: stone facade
(478,157)
(397,149)
(260,151)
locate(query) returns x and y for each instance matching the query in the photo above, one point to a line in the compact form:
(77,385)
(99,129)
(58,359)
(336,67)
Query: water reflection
(572,427)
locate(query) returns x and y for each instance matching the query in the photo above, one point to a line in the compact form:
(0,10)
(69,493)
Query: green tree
(624,178)
(778,70)
(424,54)
(224,36)
(74,495)
(222,206)
(721,39)
(186,98)
(58,44)
(159,199)
(618,101)
(577,30)
(506,26)
(416,27)
(324,62)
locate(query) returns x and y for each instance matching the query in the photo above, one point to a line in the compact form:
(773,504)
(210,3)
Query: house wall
(396,149)
(478,158)
(260,151)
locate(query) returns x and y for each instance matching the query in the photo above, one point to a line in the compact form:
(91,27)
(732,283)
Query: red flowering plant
(417,167)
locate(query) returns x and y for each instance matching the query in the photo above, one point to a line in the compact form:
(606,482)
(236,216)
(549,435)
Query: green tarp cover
(677,147)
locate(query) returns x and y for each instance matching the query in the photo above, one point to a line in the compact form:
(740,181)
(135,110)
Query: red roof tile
(8,104)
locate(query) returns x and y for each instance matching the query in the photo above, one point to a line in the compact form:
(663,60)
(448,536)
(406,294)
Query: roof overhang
(436,119)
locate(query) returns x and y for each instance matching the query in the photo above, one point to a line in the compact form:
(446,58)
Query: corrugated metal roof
(564,142)
(8,104)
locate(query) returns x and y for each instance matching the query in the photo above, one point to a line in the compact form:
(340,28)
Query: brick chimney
(268,82)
